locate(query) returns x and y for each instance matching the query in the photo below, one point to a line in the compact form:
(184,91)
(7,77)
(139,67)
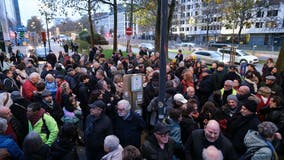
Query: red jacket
(260,105)
(27,90)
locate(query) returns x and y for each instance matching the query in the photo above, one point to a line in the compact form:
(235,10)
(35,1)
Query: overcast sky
(29,8)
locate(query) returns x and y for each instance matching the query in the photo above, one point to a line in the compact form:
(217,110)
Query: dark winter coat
(152,151)
(51,58)
(96,129)
(54,110)
(187,125)
(129,130)
(63,150)
(197,142)
(238,127)
(206,88)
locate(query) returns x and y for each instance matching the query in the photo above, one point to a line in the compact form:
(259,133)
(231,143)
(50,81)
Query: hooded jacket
(254,140)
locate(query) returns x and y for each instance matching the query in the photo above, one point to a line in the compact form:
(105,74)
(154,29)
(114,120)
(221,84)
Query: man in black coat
(206,87)
(97,127)
(18,109)
(51,58)
(158,146)
(239,125)
(51,107)
(83,94)
(210,135)
(128,125)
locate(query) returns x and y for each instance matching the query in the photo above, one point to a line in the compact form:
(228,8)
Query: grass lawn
(108,53)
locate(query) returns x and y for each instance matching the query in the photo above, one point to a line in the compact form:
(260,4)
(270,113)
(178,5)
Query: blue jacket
(8,143)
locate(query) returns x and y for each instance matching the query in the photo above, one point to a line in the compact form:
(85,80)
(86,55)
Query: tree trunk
(280,60)
(92,38)
(130,25)
(157,27)
(239,33)
(115,26)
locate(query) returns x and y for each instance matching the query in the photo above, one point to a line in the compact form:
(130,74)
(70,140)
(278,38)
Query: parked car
(241,56)
(148,46)
(41,53)
(188,46)
(219,45)
(209,56)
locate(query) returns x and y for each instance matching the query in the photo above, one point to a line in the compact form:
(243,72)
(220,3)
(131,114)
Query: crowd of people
(211,112)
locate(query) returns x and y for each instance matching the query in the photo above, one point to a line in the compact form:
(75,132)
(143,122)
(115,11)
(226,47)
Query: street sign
(128,31)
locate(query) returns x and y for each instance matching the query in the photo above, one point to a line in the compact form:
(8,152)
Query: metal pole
(47,31)
(163,50)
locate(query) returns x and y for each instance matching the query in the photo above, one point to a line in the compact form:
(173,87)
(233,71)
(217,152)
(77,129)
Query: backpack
(44,128)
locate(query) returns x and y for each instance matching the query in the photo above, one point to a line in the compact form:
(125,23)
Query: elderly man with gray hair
(29,86)
(212,153)
(259,143)
(113,148)
(128,125)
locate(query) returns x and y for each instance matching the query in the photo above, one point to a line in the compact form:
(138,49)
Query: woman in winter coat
(113,148)
(259,143)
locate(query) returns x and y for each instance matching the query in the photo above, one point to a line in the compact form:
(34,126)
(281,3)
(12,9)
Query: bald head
(243,90)
(212,130)
(212,153)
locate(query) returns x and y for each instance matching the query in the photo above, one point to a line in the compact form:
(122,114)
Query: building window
(259,14)
(258,24)
(188,14)
(188,6)
(272,13)
(196,13)
(181,29)
(195,28)
(187,28)
(270,24)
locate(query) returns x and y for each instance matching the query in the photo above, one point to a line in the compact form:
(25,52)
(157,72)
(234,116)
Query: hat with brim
(59,76)
(97,103)
(270,77)
(180,98)
(15,95)
(45,93)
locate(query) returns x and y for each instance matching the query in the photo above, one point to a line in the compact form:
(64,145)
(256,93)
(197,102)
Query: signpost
(43,38)
(129,31)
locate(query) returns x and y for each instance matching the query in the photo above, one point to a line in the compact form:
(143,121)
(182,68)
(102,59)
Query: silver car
(209,56)
(148,46)
(241,56)
(41,53)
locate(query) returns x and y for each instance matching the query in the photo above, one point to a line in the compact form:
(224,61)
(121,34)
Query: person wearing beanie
(231,107)
(243,121)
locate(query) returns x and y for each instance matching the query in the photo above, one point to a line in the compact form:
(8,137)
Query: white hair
(125,104)
(212,153)
(5,99)
(34,75)
(3,125)
(111,142)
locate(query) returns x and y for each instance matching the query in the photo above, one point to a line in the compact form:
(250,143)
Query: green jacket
(51,126)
